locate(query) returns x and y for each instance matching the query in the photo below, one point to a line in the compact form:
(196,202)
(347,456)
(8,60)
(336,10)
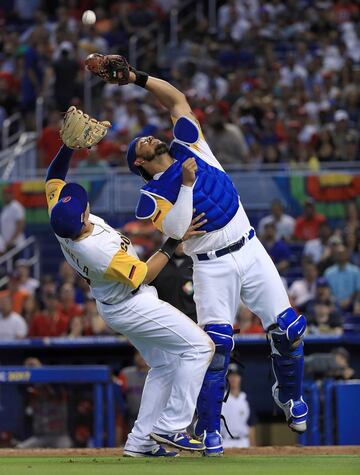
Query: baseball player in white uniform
(176,349)
(237,414)
(230,263)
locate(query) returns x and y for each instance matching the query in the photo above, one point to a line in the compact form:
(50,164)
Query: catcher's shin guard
(212,392)
(288,367)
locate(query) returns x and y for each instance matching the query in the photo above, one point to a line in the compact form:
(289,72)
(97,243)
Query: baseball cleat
(213,444)
(157,451)
(180,440)
(295,412)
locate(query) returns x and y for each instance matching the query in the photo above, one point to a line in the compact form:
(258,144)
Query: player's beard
(160,149)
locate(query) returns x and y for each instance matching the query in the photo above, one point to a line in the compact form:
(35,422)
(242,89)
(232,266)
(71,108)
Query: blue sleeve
(285,251)
(185,130)
(59,167)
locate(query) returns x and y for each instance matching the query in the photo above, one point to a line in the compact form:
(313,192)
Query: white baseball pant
(248,275)
(178,353)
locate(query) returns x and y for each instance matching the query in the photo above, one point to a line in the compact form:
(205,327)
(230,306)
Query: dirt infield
(279,451)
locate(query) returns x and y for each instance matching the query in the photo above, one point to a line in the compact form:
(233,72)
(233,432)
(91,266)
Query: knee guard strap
(288,355)
(212,392)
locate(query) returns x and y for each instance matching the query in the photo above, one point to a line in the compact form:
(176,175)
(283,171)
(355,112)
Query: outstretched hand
(196,223)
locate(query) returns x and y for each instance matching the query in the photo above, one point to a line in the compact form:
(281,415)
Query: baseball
(89,17)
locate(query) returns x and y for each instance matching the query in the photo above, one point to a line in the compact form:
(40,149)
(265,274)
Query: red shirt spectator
(17,295)
(68,306)
(50,322)
(307,226)
(247,322)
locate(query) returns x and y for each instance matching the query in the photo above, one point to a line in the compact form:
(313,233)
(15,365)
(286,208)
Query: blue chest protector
(214,193)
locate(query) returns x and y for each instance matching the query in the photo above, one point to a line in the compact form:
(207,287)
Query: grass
(231,465)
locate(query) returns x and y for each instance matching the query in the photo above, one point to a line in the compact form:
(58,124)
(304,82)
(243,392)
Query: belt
(227,250)
(133,293)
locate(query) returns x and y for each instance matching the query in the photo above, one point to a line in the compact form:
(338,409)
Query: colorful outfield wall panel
(331,192)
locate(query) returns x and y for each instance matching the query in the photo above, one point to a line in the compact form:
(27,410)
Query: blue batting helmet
(66,216)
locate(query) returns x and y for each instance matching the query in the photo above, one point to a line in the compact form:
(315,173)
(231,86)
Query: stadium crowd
(288,98)
(319,264)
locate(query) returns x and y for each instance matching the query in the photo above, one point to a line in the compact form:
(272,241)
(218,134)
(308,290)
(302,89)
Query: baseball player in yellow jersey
(230,263)
(176,349)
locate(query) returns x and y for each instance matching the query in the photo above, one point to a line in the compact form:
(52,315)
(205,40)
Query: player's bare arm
(171,98)
(115,69)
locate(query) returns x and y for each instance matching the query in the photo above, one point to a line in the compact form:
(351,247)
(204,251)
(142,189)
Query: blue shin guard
(211,396)
(288,367)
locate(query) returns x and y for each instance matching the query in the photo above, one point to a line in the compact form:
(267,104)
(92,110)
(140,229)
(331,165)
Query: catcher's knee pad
(212,392)
(288,358)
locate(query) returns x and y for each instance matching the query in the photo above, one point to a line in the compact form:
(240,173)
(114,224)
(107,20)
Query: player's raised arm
(78,131)
(115,69)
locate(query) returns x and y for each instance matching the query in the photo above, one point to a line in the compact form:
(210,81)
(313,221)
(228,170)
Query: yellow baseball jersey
(106,258)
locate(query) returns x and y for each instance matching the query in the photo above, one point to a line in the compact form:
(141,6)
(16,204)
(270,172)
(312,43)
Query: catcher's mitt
(80,130)
(111,68)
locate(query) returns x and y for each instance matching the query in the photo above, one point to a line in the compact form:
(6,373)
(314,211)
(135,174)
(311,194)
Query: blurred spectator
(344,279)
(30,308)
(352,243)
(132,380)
(341,134)
(277,249)
(322,321)
(68,306)
(27,283)
(329,256)
(238,415)
(12,325)
(63,72)
(47,286)
(93,324)
(76,328)
(15,293)
(322,296)
(329,365)
(315,249)
(143,236)
(93,164)
(307,226)
(67,275)
(352,223)
(49,140)
(226,140)
(284,224)
(50,321)
(46,406)
(91,42)
(12,220)
(175,283)
(303,290)
(247,322)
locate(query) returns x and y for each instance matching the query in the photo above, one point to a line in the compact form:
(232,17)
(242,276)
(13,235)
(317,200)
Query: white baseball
(89,17)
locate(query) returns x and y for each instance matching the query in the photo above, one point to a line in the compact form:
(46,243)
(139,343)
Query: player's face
(148,147)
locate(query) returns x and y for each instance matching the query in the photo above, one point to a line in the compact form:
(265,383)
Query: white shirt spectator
(314,249)
(236,412)
(301,292)
(284,226)
(10,215)
(12,327)
(30,285)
